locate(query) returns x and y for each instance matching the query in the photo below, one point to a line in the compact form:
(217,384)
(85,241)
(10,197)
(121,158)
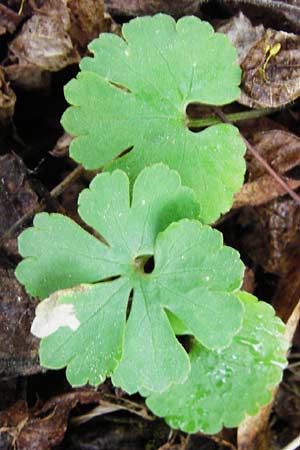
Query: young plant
(104,298)
(115,302)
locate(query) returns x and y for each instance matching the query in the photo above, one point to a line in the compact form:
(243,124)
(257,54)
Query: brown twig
(263,162)
(39,206)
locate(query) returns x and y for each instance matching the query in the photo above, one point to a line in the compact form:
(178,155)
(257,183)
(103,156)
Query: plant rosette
(104,296)
(151,270)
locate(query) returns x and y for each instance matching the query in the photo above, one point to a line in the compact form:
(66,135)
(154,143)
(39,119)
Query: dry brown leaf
(274,225)
(275,81)
(26,75)
(254,432)
(42,427)
(242,34)
(52,39)
(261,191)
(281,150)
(44,40)
(7,98)
(9,20)
(18,348)
(287,292)
(16,196)
(87,20)
(176,8)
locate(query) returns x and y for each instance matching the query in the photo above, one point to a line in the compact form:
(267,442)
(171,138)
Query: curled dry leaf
(271,71)
(52,39)
(18,348)
(242,34)
(176,8)
(7,98)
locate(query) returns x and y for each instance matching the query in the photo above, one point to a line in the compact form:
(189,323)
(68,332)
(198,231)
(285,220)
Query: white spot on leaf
(50,316)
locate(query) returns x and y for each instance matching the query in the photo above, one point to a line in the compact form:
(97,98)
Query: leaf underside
(225,385)
(134,93)
(195,278)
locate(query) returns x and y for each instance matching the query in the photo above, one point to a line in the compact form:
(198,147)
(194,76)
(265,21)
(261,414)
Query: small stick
(263,162)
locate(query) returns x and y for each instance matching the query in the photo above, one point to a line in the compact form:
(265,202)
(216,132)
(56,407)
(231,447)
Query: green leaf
(193,274)
(225,385)
(134,93)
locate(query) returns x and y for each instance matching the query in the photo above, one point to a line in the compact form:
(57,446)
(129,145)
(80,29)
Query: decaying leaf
(18,348)
(16,196)
(7,98)
(281,150)
(176,8)
(271,71)
(44,40)
(274,226)
(52,39)
(261,191)
(87,20)
(287,292)
(242,34)
(9,20)
(42,427)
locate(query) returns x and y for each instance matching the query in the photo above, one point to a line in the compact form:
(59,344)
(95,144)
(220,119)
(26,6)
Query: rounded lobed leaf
(227,384)
(141,86)
(194,277)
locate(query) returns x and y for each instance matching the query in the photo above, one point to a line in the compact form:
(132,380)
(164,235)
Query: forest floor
(41,44)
